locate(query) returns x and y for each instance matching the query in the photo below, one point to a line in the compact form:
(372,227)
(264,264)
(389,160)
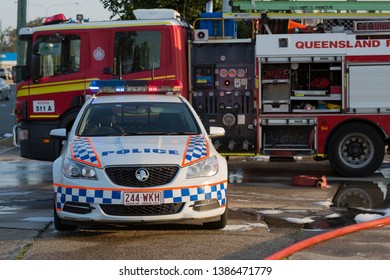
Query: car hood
(139,150)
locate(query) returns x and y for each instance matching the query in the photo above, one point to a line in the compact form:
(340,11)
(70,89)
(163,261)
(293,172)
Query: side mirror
(216,132)
(58,133)
(20,73)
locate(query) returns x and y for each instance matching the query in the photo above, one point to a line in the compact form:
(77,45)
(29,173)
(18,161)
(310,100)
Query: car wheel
(221,223)
(60,225)
(8,96)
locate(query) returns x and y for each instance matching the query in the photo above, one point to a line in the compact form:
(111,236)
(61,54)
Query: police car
(138,159)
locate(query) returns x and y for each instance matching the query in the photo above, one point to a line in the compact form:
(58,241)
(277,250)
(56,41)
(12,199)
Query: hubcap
(356,150)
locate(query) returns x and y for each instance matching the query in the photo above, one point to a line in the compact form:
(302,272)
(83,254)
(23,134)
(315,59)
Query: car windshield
(112,119)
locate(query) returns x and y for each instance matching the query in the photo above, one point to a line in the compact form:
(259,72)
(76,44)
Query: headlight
(205,168)
(73,169)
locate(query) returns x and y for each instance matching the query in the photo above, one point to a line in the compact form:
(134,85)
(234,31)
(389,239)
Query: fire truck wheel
(356,150)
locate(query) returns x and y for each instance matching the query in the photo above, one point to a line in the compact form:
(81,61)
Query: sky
(92,9)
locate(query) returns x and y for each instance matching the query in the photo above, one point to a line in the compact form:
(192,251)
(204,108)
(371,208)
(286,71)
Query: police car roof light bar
(136,86)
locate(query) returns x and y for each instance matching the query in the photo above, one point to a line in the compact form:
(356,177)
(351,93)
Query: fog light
(77,207)
(206,205)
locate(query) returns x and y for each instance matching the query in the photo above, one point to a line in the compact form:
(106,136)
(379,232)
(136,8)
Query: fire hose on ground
(327,236)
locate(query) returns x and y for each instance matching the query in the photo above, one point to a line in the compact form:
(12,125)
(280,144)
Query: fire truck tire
(356,150)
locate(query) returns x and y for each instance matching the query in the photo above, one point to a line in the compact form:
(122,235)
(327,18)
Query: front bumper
(106,205)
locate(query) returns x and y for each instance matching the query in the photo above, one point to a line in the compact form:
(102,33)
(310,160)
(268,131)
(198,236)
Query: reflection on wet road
(25,192)
(18,173)
(355,200)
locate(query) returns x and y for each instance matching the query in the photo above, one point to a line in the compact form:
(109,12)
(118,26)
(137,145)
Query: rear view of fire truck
(223,84)
(309,82)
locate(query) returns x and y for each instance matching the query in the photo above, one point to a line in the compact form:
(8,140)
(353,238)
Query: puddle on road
(8,210)
(354,202)
(39,219)
(28,173)
(246,227)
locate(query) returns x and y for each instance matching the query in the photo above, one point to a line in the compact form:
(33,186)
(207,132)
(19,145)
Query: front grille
(142,210)
(125,175)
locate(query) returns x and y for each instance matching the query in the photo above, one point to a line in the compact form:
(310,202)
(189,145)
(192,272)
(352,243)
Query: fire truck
(310,78)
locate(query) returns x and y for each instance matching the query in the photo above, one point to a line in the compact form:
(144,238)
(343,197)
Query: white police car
(139,158)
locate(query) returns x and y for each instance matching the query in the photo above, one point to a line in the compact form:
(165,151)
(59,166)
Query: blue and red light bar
(136,86)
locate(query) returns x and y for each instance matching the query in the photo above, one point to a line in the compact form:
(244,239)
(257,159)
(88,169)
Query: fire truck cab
(61,59)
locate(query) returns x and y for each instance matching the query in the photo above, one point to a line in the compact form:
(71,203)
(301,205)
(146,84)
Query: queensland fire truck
(310,79)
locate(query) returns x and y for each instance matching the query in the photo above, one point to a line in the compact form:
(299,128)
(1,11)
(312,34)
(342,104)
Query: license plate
(143,198)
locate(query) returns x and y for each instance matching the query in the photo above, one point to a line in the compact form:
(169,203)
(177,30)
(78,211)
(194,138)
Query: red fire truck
(303,83)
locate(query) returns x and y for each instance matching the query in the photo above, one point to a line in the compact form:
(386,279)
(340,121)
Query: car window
(136,51)
(137,119)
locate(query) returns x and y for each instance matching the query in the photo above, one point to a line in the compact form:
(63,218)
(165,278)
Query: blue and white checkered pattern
(197,149)
(64,194)
(101,196)
(192,194)
(82,151)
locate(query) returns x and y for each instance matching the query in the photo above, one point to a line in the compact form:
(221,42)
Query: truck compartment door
(369,88)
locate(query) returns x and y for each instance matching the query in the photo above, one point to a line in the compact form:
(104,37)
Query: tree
(189,9)
(9,36)
(8,39)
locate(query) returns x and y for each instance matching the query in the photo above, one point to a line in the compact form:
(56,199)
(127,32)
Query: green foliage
(8,40)
(9,36)
(123,9)
(35,22)
(189,9)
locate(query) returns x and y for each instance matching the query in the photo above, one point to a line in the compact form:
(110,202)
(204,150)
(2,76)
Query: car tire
(221,223)
(60,225)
